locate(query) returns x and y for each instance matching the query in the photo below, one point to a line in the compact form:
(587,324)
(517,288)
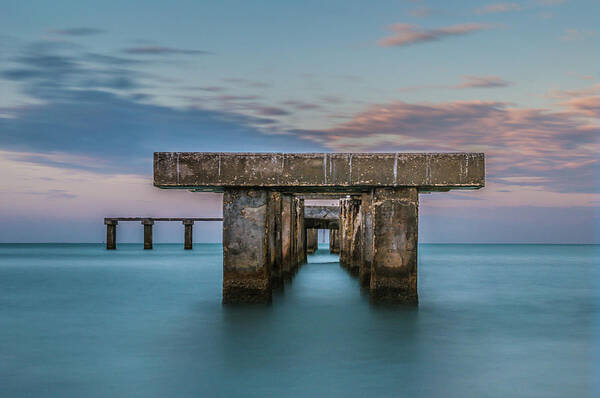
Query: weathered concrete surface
(356,247)
(345,231)
(275,250)
(321,217)
(246,262)
(334,241)
(188,236)
(111,234)
(286,237)
(312,240)
(395,237)
(301,232)
(318,172)
(364,273)
(147,223)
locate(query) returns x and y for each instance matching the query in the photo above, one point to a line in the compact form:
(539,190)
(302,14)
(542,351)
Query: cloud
(80,31)
(483,82)
(301,105)
(89,115)
(407,34)
(160,50)
(422,11)
(572,34)
(497,8)
(555,150)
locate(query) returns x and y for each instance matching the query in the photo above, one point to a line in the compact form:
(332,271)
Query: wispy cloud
(407,34)
(551,150)
(497,8)
(482,82)
(572,34)
(79,31)
(161,50)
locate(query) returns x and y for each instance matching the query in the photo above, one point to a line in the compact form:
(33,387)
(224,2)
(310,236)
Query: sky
(89,90)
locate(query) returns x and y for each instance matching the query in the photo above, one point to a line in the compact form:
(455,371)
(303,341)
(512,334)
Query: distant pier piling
(148,223)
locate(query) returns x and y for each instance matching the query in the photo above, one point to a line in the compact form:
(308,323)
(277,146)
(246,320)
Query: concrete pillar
(148,223)
(275,249)
(294,235)
(356,247)
(111,234)
(344,232)
(334,241)
(287,237)
(188,238)
(301,231)
(246,263)
(312,240)
(395,238)
(364,272)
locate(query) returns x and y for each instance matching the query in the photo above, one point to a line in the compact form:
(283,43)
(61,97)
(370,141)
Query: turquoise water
(494,321)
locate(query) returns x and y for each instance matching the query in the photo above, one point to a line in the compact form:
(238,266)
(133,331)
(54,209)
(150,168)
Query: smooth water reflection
(494,321)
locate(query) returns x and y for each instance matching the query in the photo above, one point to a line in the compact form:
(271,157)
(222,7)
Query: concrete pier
(148,223)
(111,234)
(266,236)
(312,240)
(188,241)
(246,262)
(334,241)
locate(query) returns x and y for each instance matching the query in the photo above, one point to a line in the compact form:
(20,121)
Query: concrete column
(364,272)
(301,231)
(246,263)
(294,235)
(148,223)
(287,237)
(395,238)
(334,241)
(275,248)
(111,234)
(312,240)
(356,247)
(188,238)
(344,232)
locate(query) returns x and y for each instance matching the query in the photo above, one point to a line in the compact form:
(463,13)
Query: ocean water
(493,321)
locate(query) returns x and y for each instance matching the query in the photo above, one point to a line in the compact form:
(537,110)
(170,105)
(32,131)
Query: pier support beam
(356,247)
(301,232)
(312,240)
(148,223)
(334,241)
(246,263)
(287,236)
(395,229)
(188,238)
(344,225)
(111,234)
(275,244)
(364,272)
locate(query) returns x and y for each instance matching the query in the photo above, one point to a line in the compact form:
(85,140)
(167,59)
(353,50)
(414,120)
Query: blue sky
(90,90)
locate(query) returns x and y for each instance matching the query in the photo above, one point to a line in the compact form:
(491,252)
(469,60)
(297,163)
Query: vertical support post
(312,240)
(188,238)
(364,272)
(287,237)
(246,263)
(111,233)
(334,241)
(148,223)
(356,247)
(301,232)
(344,232)
(395,238)
(294,235)
(275,248)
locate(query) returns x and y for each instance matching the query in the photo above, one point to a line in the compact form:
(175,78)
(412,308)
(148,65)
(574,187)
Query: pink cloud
(483,82)
(406,34)
(497,8)
(557,151)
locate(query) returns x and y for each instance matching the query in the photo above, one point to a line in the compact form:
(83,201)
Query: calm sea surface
(494,321)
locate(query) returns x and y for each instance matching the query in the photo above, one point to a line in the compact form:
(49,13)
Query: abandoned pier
(268,231)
